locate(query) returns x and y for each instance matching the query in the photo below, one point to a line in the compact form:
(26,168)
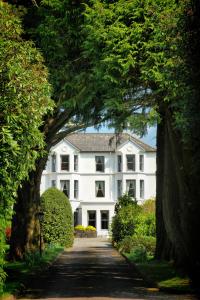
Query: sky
(149,139)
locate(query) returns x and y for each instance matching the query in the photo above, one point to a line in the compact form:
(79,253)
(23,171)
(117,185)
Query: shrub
(57,224)
(123,201)
(130,243)
(8,234)
(146,224)
(90,228)
(139,254)
(79,227)
(124,222)
(149,206)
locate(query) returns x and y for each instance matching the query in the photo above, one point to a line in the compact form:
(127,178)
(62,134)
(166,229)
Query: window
(100,188)
(92,218)
(131,188)
(130,162)
(142,189)
(75,163)
(53,183)
(119,163)
(142,163)
(64,162)
(104,219)
(119,188)
(75,189)
(53,163)
(99,163)
(65,187)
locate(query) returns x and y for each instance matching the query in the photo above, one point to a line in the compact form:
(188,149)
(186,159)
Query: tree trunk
(25,224)
(177,202)
(163,244)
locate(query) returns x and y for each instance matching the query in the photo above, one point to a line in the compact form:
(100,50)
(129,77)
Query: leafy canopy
(25,98)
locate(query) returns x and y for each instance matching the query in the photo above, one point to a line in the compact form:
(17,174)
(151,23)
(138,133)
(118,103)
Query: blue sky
(149,139)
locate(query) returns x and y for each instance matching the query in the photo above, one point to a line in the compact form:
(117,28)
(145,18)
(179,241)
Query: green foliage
(123,201)
(146,225)
(140,239)
(124,222)
(139,254)
(25,98)
(79,227)
(57,226)
(90,228)
(146,220)
(21,270)
(130,243)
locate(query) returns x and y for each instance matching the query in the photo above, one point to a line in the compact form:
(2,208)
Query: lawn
(18,272)
(163,275)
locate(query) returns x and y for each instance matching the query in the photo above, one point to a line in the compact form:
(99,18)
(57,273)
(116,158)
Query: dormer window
(99,163)
(130,159)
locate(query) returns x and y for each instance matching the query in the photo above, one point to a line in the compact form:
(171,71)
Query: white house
(94,169)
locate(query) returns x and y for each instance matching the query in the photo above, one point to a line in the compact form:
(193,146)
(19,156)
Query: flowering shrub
(79,227)
(90,228)
(8,233)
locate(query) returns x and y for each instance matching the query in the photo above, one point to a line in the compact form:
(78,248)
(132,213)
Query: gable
(64,146)
(130,147)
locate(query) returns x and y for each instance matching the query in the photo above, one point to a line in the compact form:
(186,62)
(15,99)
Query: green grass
(163,275)
(19,271)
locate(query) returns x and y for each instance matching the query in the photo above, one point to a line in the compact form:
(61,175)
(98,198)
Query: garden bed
(85,232)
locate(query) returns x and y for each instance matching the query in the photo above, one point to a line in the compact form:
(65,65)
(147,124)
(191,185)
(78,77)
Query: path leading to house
(92,270)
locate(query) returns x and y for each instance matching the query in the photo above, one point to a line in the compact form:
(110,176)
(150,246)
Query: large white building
(94,169)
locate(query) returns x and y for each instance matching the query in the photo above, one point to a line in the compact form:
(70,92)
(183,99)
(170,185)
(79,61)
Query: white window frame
(76,163)
(142,189)
(129,189)
(76,189)
(65,187)
(141,162)
(64,164)
(119,163)
(92,220)
(53,162)
(100,163)
(119,188)
(104,219)
(100,188)
(53,183)
(130,165)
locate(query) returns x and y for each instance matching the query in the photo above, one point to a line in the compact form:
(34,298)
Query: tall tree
(25,98)
(83,94)
(154,45)
(131,60)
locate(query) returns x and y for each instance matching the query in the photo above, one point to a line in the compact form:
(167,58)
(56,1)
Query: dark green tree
(134,61)
(24,99)
(82,93)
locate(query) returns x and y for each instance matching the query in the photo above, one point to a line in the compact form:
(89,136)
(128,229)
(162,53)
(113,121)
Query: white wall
(87,175)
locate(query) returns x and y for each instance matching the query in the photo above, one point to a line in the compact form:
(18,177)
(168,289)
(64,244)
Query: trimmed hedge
(57,225)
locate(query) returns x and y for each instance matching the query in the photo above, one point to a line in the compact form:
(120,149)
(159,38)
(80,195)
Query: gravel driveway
(92,269)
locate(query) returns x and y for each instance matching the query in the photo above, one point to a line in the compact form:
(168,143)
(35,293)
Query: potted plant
(79,231)
(91,232)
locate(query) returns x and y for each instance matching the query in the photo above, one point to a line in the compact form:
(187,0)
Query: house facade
(94,169)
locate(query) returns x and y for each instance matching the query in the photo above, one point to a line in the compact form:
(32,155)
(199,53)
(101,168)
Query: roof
(104,142)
